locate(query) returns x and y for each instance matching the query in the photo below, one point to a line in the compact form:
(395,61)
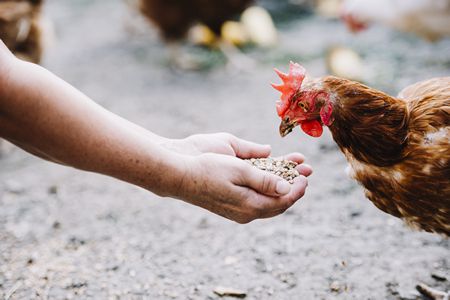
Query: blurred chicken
(174,18)
(429,19)
(259,26)
(398,148)
(21,29)
(344,62)
(328,8)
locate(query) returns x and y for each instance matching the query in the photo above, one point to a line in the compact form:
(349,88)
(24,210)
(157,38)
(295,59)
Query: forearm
(49,118)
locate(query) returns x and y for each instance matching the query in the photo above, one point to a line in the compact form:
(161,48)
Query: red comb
(291,84)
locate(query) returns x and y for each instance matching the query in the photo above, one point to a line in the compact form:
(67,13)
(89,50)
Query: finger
(277,212)
(295,157)
(246,149)
(262,206)
(298,188)
(284,203)
(264,182)
(304,169)
(268,206)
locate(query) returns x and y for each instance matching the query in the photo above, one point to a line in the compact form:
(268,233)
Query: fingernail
(283,187)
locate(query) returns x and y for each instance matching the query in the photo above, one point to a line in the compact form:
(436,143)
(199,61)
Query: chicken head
(307,106)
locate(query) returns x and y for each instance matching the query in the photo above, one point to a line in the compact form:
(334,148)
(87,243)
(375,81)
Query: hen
(429,19)
(20,28)
(174,19)
(398,148)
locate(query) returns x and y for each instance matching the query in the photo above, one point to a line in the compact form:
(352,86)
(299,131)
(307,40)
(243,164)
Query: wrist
(174,173)
(181,146)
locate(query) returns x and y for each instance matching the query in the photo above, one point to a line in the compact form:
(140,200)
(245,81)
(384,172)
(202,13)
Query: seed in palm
(280,167)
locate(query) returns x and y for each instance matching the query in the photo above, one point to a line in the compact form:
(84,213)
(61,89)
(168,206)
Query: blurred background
(65,234)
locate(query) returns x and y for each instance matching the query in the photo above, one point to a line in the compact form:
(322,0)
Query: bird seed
(280,167)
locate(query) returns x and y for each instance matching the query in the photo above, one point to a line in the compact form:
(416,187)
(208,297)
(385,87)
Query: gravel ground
(65,234)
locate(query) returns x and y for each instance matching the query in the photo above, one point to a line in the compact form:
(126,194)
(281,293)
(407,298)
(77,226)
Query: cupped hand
(228,144)
(234,189)
(220,143)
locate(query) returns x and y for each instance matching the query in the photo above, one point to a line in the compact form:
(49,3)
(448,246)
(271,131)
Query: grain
(280,167)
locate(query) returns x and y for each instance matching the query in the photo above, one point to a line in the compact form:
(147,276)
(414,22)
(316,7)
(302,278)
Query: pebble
(439,276)
(14,187)
(230,292)
(53,190)
(335,286)
(231,260)
(408,295)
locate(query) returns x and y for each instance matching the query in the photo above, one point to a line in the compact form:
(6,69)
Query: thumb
(266,183)
(245,149)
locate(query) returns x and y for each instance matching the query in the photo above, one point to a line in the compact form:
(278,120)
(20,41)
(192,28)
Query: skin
(49,118)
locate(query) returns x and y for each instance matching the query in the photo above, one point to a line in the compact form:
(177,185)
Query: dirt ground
(65,234)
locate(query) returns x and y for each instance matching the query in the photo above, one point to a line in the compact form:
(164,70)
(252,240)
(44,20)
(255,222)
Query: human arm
(47,117)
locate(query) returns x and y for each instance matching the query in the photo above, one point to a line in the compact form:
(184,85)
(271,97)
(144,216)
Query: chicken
(21,29)
(429,19)
(174,18)
(328,8)
(398,148)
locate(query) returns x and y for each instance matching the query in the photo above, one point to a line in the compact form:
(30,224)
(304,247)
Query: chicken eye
(303,106)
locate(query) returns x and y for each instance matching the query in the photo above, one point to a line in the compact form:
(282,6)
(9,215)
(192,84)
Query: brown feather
(399,148)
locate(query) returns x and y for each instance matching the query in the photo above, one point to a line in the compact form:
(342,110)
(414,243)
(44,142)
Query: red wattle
(326,114)
(312,128)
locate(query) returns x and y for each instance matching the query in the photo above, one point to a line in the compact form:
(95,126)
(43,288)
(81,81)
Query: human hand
(220,143)
(228,144)
(234,189)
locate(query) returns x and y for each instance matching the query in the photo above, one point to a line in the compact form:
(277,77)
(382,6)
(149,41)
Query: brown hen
(398,148)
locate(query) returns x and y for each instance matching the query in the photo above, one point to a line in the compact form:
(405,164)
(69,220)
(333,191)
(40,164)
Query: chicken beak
(286,127)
